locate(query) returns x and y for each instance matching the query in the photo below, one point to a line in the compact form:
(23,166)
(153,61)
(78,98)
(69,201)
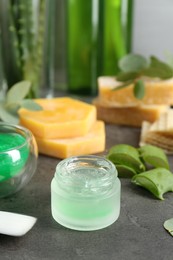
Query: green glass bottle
(81,46)
(98,33)
(115,31)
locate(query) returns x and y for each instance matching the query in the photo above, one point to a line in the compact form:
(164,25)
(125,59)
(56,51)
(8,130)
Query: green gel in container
(14,152)
(85,193)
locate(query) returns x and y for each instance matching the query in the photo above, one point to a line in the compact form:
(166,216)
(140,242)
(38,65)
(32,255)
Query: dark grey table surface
(138,234)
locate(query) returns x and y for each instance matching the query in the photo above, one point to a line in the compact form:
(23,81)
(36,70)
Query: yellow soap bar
(130,116)
(92,142)
(60,118)
(157,92)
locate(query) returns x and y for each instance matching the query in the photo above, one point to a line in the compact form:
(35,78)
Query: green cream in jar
(14,153)
(85,193)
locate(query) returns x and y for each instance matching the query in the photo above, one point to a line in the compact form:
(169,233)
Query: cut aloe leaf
(154,156)
(126,160)
(168,225)
(125,171)
(158,181)
(126,155)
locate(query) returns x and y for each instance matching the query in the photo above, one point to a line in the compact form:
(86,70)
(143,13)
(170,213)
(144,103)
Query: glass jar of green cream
(85,193)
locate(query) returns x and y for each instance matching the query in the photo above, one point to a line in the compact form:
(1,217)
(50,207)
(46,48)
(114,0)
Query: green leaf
(158,181)
(132,62)
(126,155)
(18,92)
(125,171)
(139,89)
(12,107)
(125,76)
(30,104)
(124,85)
(154,156)
(158,69)
(6,116)
(168,225)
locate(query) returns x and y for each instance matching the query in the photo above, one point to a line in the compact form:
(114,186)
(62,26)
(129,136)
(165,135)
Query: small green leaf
(124,85)
(168,225)
(158,181)
(6,116)
(154,156)
(139,89)
(133,62)
(12,108)
(125,76)
(158,69)
(18,92)
(30,104)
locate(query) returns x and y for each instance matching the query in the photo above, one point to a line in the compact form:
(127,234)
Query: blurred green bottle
(115,32)
(98,34)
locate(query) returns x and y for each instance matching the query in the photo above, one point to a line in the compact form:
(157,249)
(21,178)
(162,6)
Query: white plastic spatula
(14,224)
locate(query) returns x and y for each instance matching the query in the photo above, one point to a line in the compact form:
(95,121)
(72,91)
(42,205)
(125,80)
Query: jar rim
(100,179)
(12,128)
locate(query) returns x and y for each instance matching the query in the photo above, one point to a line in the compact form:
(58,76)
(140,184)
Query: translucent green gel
(14,152)
(86,196)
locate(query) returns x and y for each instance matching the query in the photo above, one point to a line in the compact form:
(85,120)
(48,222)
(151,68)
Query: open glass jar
(85,193)
(18,158)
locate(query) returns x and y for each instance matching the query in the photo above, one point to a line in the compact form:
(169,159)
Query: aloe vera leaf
(126,160)
(125,171)
(33,63)
(40,43)
(126,155)
(158,181)
(25,29)
(10,43)
(168,225)
(154,156)
(124,148)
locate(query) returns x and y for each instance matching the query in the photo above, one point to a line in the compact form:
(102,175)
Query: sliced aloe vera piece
(154,156)
(125,171)
(158,181)
(126,155)
(168,225)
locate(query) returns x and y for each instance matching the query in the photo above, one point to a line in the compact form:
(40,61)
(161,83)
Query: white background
(153,28)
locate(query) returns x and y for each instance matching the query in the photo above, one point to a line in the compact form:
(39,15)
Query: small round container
(18,158)
(85,193)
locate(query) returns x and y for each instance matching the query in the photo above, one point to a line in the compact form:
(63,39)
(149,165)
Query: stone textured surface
(138,234)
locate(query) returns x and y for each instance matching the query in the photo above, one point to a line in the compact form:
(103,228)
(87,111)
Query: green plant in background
(134,68)
(14,100)
(22,27)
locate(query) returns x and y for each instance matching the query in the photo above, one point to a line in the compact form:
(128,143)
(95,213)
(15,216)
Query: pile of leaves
(146,166)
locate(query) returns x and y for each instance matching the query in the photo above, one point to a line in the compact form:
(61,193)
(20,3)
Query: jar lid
(86,175)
